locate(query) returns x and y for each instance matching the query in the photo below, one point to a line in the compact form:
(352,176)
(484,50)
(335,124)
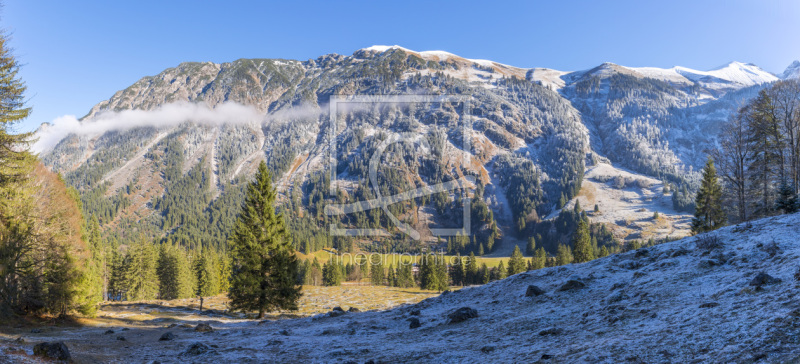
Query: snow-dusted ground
(686,301)
(629,211)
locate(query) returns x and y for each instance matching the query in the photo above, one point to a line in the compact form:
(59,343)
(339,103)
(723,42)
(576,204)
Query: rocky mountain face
(532,135)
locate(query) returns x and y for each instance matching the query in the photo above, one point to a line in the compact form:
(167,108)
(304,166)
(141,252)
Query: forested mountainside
(534,133)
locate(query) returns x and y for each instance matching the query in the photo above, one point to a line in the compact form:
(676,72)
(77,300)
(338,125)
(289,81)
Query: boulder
(770,248)
(337,313)
(121,338)
(572,284)
(203,327)
(708,263)
(551,331)
(167,336)
(709,305)
(533,291)
(353,309)
(109,332)
(55,350)
(414,323)
(488,349)
(462,314)
(197,348)
(617,296)
(762,279)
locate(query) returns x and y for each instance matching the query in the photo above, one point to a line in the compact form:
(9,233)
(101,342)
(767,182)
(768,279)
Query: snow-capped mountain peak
(793,71)
(733,73)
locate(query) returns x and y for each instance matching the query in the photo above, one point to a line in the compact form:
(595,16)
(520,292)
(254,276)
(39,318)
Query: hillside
(726,296)
(165,159)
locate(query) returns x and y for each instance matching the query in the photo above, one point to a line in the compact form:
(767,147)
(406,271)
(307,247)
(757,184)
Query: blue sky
(78,53)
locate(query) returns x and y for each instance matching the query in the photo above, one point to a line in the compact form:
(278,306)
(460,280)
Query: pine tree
(426,275)
(331,273)
(206,274)
(141,277)
(500,271)
(457,271)
(787,199)
(531,248)
(540,259)
(517,262)
(16,160)
(603,251)
(264,263)
(442,277)
(564,255)
(168,276)
(376,273)
(90,286)
(391,276)
(405,275)
(224,272)
(186,277)
(485,274)
(472,270)
(708,203)
(581,241)
(116,280)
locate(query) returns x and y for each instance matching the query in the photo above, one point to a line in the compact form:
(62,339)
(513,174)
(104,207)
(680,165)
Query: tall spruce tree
(708,213)
(391,276)
(376,273)
(457,271)
(787,199)
(205,272)
(264,264)
(168,278)
(331,273)
(539,259)
(405,275)
(564,255)
(531,248)
(471,270)
(500,272)
(141,276)
(582,243)
(517,262)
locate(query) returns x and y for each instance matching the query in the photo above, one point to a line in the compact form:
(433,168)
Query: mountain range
(158,160)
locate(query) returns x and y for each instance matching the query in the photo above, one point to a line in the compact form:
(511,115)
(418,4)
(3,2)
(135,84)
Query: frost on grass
(658,304)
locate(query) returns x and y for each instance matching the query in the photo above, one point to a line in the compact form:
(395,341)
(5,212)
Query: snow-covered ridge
(434,55)
(793,71)
(733,74)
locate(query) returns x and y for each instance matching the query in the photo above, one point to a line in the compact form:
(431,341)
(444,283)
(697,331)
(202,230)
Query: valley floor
(700,299)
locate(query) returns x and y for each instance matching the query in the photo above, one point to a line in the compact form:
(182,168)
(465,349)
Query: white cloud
(169,115)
